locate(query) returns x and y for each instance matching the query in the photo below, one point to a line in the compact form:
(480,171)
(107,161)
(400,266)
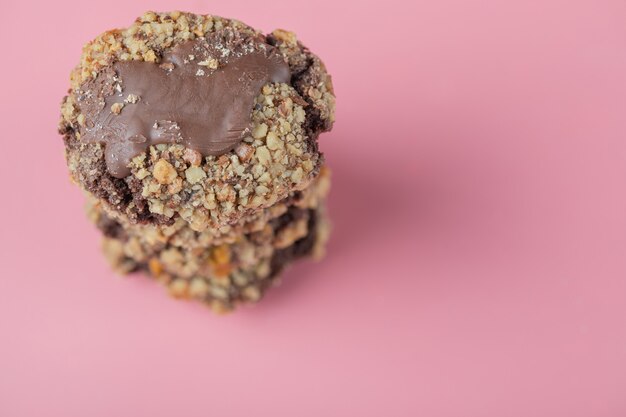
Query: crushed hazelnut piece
(221,254)
(288,37)
(244,152)
(116,108)
(192,156)
(260,131)
(164,172)
(155,267)
(297,175)
(252,293)
(179,288)
(219,307)
(132,98)
(273,141)
(198,288)
(263,155)
(194,174)
(211,63)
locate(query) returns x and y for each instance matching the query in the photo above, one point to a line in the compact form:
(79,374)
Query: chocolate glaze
(183,99)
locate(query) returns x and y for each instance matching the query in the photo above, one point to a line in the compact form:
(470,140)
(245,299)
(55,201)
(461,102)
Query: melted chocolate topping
(201,95)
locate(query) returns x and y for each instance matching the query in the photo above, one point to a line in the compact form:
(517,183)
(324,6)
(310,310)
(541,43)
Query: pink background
(477,266)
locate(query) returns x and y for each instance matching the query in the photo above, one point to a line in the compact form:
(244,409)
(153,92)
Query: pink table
(478,263)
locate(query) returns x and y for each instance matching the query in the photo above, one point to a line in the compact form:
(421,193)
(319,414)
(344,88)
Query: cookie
(224,275)
(141,98)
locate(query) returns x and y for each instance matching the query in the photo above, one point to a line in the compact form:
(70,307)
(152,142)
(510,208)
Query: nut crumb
(194,174)
(193,157)
(164,172)
(244,152)
(263,154)
(211,63)
(132,98)
(273,141)
(168,66)
(287,37)
(179,288)
(260,131)
(116,108)
(198,288)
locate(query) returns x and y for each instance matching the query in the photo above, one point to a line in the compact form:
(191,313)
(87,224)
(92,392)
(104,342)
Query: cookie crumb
(132,99)
(164,172)
(116,108)
(211,63)
(244,152)
(192,157)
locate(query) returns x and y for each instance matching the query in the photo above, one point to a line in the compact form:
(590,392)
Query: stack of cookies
(195,140)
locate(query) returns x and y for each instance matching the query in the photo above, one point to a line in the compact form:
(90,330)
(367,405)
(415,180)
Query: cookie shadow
(364,207)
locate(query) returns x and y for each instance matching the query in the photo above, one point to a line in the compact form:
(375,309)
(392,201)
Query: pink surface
(477,266)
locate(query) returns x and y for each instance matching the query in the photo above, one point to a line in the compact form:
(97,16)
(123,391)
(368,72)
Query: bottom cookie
(225,275)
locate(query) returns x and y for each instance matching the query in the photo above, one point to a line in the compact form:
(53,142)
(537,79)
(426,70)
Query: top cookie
(195,117)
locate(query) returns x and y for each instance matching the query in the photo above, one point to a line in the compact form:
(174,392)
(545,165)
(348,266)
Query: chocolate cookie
(199,117)
(226,274)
